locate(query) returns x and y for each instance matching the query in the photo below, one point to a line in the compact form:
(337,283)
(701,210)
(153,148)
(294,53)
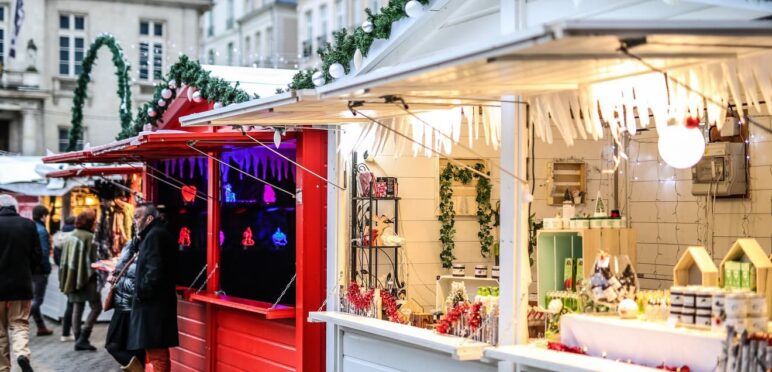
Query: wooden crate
(749,250)
(695,258)
(554,246)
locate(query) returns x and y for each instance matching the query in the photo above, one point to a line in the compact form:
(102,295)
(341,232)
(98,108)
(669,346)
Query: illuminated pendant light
(680,147)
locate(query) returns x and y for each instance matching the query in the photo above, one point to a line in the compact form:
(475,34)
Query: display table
(644,343)
(373,344)
(533,358)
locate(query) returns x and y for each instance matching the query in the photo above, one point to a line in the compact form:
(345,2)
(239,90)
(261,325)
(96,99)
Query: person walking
(40,276)
(60,238)
(19,256)
(123,280)
(153,325)
(78,280)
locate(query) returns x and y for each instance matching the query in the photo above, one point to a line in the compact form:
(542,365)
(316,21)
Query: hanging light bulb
(680,147)
(527,196)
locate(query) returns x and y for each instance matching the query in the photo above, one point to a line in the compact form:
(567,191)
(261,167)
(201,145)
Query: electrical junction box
(721,172)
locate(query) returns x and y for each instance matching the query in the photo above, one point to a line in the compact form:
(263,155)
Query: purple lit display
(269,196)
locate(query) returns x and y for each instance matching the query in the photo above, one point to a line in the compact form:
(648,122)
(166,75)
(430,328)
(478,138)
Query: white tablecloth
(644,343)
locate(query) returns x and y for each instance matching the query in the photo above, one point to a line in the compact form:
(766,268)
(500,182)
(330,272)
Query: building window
(210,23)
(230,54)
(358,13)
(3,27)
(269,41)
(151,49)
(247,50)
(249,5)
(323,24)
(375,6)
(64,139)
(340,14)
(72,43)
(229,20)
(308,43)
(210,58)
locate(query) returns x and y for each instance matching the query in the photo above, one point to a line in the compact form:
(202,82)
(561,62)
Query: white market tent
(558,56)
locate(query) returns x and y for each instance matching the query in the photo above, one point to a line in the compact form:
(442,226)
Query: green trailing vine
(188,72)
(346,43)
(81,92)
(485,212)
(486,215)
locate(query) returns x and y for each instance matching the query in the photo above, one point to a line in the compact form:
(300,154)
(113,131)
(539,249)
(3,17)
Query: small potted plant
(577,196)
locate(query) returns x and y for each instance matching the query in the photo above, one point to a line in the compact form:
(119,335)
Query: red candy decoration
(390,306)
(188,193)
(692,122)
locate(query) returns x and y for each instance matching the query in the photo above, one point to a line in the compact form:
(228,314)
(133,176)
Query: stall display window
(185,214)
(257,237)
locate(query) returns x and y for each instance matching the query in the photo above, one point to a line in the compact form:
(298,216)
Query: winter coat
(123,293)
(45,249)
(60,238)
(76,277)
(19,255)
(154,311)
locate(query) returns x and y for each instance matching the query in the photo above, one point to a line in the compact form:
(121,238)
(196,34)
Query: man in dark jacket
(154,309)
(40,275)
(19,255)
(123,279)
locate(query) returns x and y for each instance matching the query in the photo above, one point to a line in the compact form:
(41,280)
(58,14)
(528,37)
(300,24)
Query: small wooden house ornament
(695,267)
(749,250)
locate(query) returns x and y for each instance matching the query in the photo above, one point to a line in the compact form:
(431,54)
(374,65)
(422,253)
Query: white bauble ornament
(151,112)
(367,27)
(336,70)
(172,84)
(413,8)
(166,93)
(358,58)
(277,138)
(627,309)
(161,102)
(217,105)
(318,78)
(190,92)
(555,306)
(681,147)
(197,97)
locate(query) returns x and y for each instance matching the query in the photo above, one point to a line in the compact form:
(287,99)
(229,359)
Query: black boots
(24,364)
(82,343)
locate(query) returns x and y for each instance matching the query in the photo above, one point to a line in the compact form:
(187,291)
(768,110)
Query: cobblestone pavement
(51,355)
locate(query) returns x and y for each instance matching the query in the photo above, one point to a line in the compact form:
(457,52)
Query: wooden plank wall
(247,342)
(190,356)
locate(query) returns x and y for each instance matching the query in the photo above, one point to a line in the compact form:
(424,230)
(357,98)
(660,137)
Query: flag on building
(18,18)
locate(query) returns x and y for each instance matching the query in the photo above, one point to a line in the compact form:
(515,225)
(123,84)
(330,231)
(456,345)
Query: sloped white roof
(263,81)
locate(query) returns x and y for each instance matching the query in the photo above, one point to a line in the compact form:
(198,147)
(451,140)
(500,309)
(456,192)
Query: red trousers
(158,359)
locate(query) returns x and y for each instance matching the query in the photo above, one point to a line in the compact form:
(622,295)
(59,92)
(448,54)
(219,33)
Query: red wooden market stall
(240,209)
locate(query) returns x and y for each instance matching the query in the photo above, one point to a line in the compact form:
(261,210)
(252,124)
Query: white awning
(560,57)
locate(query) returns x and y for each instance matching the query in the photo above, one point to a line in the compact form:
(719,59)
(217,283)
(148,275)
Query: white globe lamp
(681,147)
(413,8)
(336,70)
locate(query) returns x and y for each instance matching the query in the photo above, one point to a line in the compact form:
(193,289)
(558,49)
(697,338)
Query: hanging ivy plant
(346,43)
(485,214)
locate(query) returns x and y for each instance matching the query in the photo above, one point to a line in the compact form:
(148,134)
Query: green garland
(345,44)
(189,72)
(81,93)
(485,212)
(486,215)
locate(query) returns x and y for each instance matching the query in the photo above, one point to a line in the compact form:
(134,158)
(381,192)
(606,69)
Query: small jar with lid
(481,271)
(458,270)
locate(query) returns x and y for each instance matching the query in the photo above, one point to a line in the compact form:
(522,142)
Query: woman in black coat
(123,297)
(154,310)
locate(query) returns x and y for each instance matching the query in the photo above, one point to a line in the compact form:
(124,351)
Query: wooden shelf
(252,306)
(378,198)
